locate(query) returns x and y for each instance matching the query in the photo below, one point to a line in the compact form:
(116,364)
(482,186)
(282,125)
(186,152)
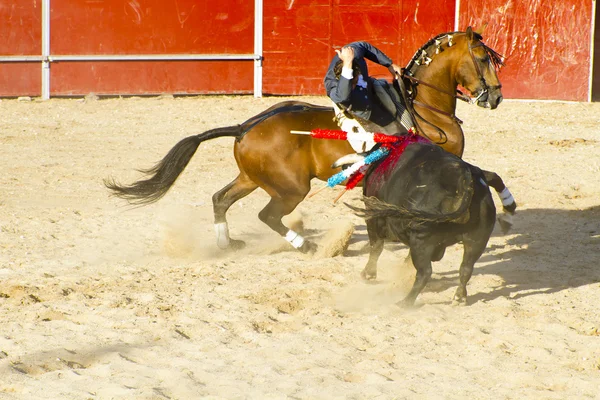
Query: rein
(450,115)
(458,94)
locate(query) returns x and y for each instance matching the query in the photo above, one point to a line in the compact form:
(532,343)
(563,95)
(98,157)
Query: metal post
(45,49)
(592,31)
(457,16)
(258,47)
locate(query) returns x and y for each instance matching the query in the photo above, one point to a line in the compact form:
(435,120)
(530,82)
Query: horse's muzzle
(489,101)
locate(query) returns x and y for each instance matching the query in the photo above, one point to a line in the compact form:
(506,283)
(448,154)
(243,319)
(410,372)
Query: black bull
(429,200)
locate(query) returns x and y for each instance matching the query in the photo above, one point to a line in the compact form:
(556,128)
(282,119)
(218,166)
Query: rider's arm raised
(339,90)
(367,50)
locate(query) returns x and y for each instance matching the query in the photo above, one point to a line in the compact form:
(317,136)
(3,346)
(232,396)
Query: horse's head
(477,70)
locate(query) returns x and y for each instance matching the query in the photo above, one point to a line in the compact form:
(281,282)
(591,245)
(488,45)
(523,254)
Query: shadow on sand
(546,251)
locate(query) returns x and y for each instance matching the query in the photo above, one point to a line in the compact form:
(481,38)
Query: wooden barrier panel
(112,27)
(546,45)
(20,35)
(300,36)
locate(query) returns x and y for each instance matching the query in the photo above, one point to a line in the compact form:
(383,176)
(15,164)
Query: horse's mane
(495,57)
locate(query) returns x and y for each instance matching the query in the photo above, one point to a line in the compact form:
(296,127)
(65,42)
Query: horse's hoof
(368,275)
(510,208)
(308,247)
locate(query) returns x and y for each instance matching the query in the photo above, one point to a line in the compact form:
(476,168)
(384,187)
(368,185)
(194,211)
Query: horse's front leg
(240,187)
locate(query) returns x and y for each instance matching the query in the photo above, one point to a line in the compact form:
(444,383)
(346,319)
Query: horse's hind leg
(240,187)
(508,202)
(279,207)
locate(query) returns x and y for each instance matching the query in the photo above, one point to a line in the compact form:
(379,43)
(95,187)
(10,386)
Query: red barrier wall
(546,45)
(151,27)
(300,36)
(20,34)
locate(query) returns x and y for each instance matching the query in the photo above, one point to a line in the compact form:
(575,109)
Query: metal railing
(46,58)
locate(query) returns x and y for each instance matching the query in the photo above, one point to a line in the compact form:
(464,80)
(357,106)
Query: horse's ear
(481,29)
(469,33)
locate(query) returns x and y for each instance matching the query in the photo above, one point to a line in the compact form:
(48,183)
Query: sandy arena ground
(102,301)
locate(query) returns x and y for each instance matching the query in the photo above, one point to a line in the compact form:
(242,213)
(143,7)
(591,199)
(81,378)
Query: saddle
(392,100)
(390,113)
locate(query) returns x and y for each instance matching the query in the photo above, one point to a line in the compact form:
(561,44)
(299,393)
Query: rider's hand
(346,54)
(395,70)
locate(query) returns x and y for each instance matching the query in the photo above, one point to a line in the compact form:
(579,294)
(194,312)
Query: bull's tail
(376,208)
(164,174)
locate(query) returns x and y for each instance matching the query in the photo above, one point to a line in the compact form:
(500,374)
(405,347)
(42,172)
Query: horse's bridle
(486,88)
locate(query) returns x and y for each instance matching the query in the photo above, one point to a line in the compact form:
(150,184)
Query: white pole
(457,16)
(258,47)
(45,49)
(592,31)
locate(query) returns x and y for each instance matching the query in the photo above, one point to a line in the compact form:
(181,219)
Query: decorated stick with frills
(356,172)
(343,135)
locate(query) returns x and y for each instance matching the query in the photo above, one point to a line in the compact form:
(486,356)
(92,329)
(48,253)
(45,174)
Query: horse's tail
(164,174)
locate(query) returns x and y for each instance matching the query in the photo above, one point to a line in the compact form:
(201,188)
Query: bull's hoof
(459,303)
(406,303)
(368,275)
(460,297)
(308,247)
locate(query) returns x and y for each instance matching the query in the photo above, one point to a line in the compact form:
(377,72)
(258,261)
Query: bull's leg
(508,202)
(421,254)
(376,242)
(474,243)
(273,213)
(240,187)
(473,249)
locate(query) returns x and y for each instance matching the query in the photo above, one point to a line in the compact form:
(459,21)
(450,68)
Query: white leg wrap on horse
(506,197)
(222,231)
(295,239)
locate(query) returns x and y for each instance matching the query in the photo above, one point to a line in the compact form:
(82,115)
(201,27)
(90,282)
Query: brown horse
(270,157)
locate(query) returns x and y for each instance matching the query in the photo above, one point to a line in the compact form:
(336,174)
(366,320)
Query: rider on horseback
(356,95)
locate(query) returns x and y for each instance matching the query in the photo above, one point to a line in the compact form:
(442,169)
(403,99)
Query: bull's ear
(481,29)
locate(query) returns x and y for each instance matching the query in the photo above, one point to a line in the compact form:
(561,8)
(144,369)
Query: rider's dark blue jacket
(359,98)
